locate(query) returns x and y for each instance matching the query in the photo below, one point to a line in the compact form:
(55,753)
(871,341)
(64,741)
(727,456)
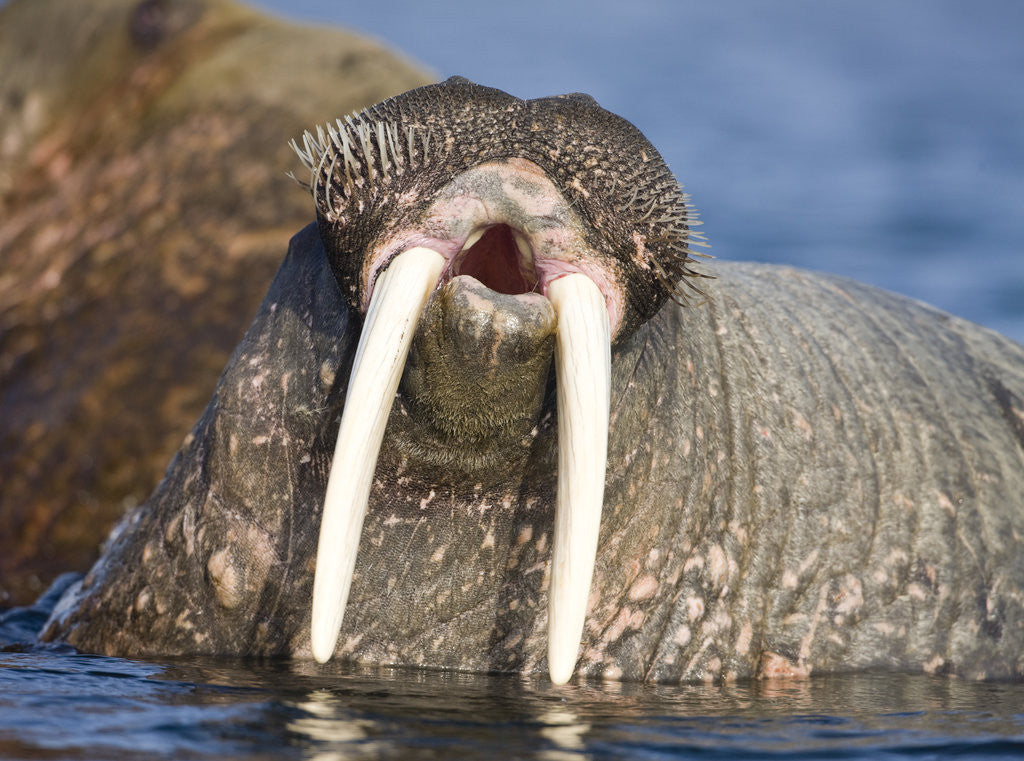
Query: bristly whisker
(361,152)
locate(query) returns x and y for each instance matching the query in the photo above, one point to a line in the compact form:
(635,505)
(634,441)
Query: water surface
(56,704)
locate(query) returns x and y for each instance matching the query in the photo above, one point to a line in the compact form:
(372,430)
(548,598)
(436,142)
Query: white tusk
(398,299)
(583,375)
(474,238)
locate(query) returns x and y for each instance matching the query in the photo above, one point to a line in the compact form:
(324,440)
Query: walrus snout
(507,225)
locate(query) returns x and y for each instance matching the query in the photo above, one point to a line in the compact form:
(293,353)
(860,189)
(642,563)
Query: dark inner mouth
(494,260)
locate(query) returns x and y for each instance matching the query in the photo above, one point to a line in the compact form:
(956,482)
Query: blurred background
(881,139)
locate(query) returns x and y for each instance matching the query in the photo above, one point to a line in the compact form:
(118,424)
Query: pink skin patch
(522,235)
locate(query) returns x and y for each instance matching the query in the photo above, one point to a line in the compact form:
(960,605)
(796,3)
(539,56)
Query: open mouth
(500,258)
(507,226)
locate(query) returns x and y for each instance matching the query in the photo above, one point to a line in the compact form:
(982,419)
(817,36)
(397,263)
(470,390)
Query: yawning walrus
(794,474)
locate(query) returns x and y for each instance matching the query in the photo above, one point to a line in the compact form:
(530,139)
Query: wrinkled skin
(805,475)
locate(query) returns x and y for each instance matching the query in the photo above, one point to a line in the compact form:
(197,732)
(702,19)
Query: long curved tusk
(398,299)
(583,374)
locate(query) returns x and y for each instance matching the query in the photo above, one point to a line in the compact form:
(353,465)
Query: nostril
(496,261)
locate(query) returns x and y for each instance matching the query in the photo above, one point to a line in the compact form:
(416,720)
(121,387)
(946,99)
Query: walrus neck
(426,450)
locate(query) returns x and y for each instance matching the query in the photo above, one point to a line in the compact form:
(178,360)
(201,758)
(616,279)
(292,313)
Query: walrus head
(464,189)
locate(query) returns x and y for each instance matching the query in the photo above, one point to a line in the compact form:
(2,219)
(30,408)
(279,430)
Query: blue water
(56,705)
(882,139)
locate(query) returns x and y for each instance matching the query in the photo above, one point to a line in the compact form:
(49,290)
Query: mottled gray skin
(805,475)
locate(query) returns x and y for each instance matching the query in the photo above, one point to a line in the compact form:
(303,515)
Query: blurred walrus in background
(143,211)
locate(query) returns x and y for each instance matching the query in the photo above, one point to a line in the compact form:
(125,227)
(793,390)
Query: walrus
(493,416)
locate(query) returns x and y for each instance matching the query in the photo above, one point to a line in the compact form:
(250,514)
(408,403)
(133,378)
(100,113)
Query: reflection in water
(71,706)
(326,723)
(565,731)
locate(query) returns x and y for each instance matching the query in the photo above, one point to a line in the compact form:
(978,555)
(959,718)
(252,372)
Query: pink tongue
(494,261)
